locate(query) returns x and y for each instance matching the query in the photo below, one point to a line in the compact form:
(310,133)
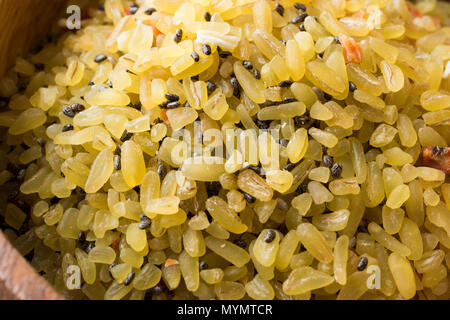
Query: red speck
(358,14)
(436,157)
(414,11)
(115,244)
(352,49)
(156,31)
(164,116)
(436,22)
(127,11)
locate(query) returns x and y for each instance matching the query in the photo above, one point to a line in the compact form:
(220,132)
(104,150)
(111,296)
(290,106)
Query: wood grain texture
(23,23)
(18,280)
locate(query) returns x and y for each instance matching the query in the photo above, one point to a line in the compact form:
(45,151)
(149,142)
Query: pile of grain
(340,193)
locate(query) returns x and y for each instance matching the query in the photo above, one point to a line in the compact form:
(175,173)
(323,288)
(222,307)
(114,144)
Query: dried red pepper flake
(436,157)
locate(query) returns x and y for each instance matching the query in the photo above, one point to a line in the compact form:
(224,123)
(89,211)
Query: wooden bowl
(22,23)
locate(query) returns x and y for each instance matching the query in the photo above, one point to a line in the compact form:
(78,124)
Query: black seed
(327,96)
(269,236)
(283,42)
(89,246)
(299,6)
(280,9)
(247,64)
(235,83)
(289,100)
(362,263)
(109,84)
(156,290)
(262,124)
(249,198)
(285,83)
(240,243)
(137,106)
(437,151)
(302,27)
(164,105)
(68,111)
(126,136)
(315,18)
(284,142)
(133,9)
(112,265)
(67,127)
(213,188)
(21,175)
(320,54)
(116,161)
(186,105)
(195,56)
(62,174)
(300,18)
(91,83)
(207,16)
(81,237)
(336,170)
(289,166)
(327,161)
(351,86)
(77,107)
(172,97)
(40,142)
(302,188)
(195,78)
(162,171)
(301,120)
(118,150)
(237,93)
(173,105)
(145,222)
(178,35)
(210,86)
(128,279)
(100,58)
(223,54)
(257,74)
(150,11)
(206,48)
(202,265)
(336,39)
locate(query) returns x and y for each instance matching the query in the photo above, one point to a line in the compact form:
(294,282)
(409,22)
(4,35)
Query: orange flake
(170,262)
(352,49)
(359,14)
(414,11)
(436,157)
(164,116)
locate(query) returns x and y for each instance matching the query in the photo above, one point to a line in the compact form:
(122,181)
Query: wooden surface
(22,23)
(18,280)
